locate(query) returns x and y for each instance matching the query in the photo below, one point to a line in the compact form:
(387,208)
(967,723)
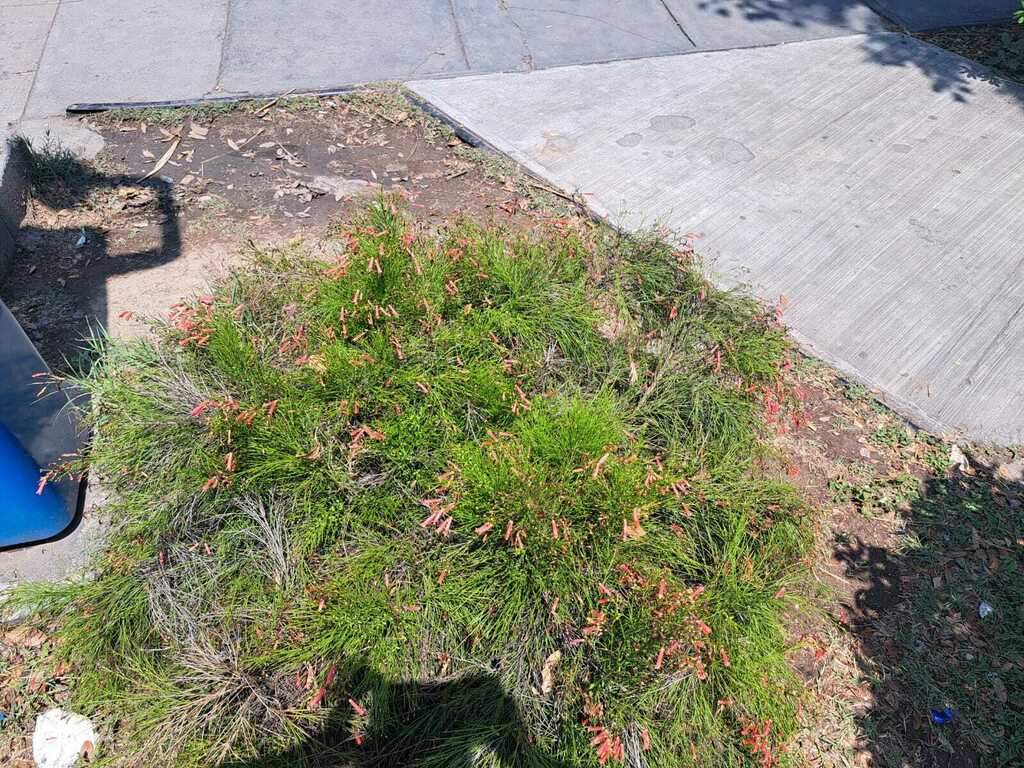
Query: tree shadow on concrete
(923,639)
(796,13)
(948,73)
(458,723)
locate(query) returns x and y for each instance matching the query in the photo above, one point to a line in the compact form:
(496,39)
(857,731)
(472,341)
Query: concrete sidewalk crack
(678,23)
(527,57)
(458,34)
(223,47)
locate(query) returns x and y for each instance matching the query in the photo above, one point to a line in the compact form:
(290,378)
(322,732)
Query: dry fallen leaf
(163,160)
(198,132)
(237,145)
(25,637)
(547,674)
(259,112)
(148,155)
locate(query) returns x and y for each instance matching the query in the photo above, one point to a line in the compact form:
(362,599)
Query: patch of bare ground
(916,535)
(128,237)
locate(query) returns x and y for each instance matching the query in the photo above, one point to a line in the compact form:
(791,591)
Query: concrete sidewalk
(53,54)
(57,52)
(884,207)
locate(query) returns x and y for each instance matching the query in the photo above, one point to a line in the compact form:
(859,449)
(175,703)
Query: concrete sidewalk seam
(223,46)
(459,37)
(39,60)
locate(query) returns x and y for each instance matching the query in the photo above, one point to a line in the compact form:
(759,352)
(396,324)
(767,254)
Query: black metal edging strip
(104,106)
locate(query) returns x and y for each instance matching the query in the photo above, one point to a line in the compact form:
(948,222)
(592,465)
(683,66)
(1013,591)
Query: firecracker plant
(442,499)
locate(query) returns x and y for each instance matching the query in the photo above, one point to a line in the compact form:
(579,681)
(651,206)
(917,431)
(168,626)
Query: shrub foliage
(469,498)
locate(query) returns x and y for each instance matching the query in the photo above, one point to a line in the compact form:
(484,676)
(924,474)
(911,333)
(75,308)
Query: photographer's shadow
(459,723)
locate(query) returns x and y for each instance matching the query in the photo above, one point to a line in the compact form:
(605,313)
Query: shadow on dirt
(939,622)
(60,317)
(78,310)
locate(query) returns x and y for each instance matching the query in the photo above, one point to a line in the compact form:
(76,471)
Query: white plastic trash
(61,738)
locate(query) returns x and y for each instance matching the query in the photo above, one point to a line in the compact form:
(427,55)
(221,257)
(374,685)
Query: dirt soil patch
(1000,46)
(105,244)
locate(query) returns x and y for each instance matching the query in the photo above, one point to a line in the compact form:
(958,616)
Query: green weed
(49,163)
(881,495)
(892,435)
(171,116)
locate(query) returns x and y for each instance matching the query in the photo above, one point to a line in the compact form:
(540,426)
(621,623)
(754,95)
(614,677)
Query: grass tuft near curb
(473,498)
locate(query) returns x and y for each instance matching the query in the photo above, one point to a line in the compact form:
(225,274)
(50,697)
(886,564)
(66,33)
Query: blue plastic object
(942,716)
(24,514)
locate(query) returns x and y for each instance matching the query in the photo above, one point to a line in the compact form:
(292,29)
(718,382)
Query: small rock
(998,687)
(11,617)
(958,458)
(337,186)
(1012,472)
(61,738)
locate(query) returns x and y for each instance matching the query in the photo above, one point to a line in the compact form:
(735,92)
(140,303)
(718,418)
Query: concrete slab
(718,24)
(22,36)
(917,15)
(273,45)
(14,90)
(128,50)
(534,34)
(882,207)
(83,142)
